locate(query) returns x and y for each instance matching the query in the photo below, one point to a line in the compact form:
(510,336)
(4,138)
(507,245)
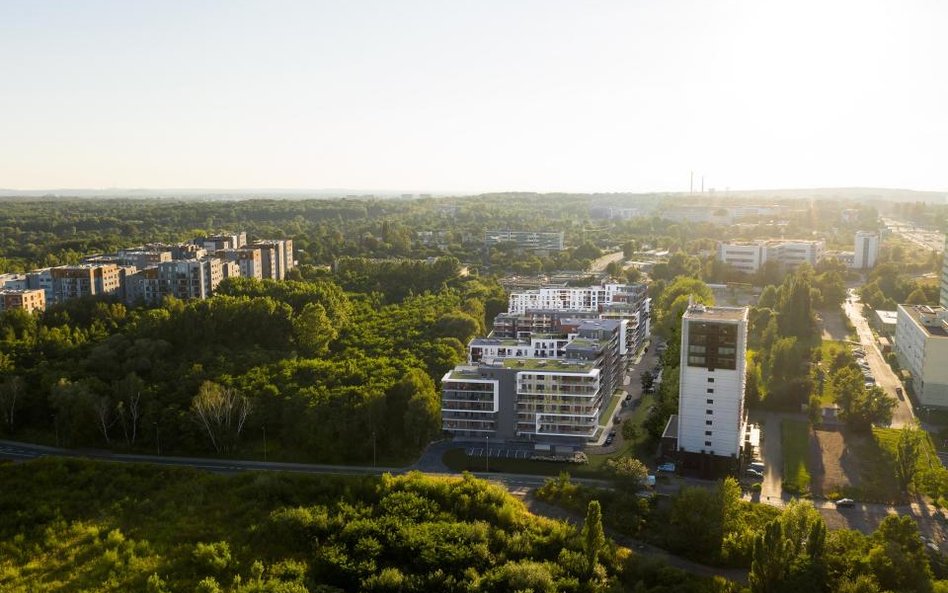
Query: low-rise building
(748,257)
(529,240)
(885,322)
(921,345)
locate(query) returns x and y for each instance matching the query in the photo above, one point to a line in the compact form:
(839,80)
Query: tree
(648,381)
(128,394)
(593,536)
(10,391)
(898,558)
(907,451)
(222,412)
(104,414)
(313,330)
(788,556)
(628,471)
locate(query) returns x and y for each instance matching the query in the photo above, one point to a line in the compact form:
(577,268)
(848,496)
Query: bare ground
(833,465)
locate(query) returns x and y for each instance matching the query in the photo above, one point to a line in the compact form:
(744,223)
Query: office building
(711,416)
(921,345)
(866,250)
(748,257)
(22,298)
(530,240)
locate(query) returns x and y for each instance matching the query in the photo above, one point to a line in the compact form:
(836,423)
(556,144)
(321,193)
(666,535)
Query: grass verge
(795,440)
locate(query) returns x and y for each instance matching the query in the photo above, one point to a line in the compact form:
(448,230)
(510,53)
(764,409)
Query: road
(771,488)
(925,239)
(600,264)
(902,415)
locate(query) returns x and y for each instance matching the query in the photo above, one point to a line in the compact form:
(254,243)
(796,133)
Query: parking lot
(499,453)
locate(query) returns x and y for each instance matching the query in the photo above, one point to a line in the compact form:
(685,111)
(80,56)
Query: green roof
(548,364)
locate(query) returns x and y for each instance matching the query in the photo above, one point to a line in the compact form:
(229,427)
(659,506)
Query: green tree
(593,536)
(313,331)
(907,452)
(628,471)
(898,559)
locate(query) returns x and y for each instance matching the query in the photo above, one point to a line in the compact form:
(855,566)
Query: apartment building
(70,282)
(711,420)
(921,345)
(866,250)
(608,301)
(190,279)
(143,286)
(22,298)
(276,257)
(248,259)
(943,295)
(213,243)
(543,388)
(529,240)
(748,257)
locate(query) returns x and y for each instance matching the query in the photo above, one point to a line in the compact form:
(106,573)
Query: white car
(666,467)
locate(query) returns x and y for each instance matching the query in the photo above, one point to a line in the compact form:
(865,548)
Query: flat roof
(549,364)
(703,312)
(927,317)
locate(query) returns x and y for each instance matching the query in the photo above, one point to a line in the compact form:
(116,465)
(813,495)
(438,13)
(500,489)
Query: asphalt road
(902,415)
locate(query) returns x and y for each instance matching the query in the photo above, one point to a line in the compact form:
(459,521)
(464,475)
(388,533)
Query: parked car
(666,467)
(757,465)
(845,503)
(753,473)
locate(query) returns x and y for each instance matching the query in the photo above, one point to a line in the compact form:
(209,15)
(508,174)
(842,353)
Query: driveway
(771,489)
(902,414)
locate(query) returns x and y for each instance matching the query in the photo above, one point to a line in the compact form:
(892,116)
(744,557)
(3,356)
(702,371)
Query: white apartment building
(563,298)
(711,415)
(748,257)
(921,344)
(866,250)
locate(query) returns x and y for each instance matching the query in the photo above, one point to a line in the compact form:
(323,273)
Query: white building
(866,250)
(921,344)
(748,257)
(711,415)
(943,300)
(562,298)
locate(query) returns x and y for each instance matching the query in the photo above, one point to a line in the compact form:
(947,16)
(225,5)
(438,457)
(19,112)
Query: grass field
(828,349)
(795,440)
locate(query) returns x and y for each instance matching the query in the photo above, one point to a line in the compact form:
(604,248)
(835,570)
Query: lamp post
(157,439)
(487,458)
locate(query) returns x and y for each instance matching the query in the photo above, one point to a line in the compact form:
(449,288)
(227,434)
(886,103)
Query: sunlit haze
(474,96)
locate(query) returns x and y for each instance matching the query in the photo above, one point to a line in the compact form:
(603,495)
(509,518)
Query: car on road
(666,467)
(609,440)
(844,503)
(898,392)
(753,473)
(757,465)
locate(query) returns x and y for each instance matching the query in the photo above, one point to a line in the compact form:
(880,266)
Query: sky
(474,96)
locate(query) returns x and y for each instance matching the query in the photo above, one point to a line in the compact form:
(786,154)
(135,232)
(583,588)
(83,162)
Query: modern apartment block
(276,257)
(248,259)
(530,240)
(143,287)
(549,388)
(190,279)
(748,257)
(921,345)
(608,301)
(222,241)
(711,416)
(866,250)
(19,298)
(943,295)
(70,282)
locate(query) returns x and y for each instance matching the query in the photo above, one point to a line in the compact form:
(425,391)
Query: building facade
(71,282)
(921,345)
(866,250)
(748,257)
(550,388)
(190,279)
(711,415)
(25,299)
(531,240)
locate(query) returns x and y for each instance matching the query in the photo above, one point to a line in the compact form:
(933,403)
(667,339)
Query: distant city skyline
(436,97)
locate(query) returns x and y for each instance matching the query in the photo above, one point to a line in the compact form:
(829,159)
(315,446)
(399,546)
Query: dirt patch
(833,326)
(833,463)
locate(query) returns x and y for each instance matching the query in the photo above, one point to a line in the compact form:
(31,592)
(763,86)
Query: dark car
(845,503)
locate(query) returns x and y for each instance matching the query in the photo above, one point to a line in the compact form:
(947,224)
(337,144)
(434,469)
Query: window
(710,370)
(707,443)
(710,401)
(710,390)
(709,422)
(707,433)
(710,379)
(709,411)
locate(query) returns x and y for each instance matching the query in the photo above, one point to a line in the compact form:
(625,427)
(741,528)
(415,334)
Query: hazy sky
(474,95)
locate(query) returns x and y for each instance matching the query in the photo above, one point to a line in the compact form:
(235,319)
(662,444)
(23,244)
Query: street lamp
(487,458)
